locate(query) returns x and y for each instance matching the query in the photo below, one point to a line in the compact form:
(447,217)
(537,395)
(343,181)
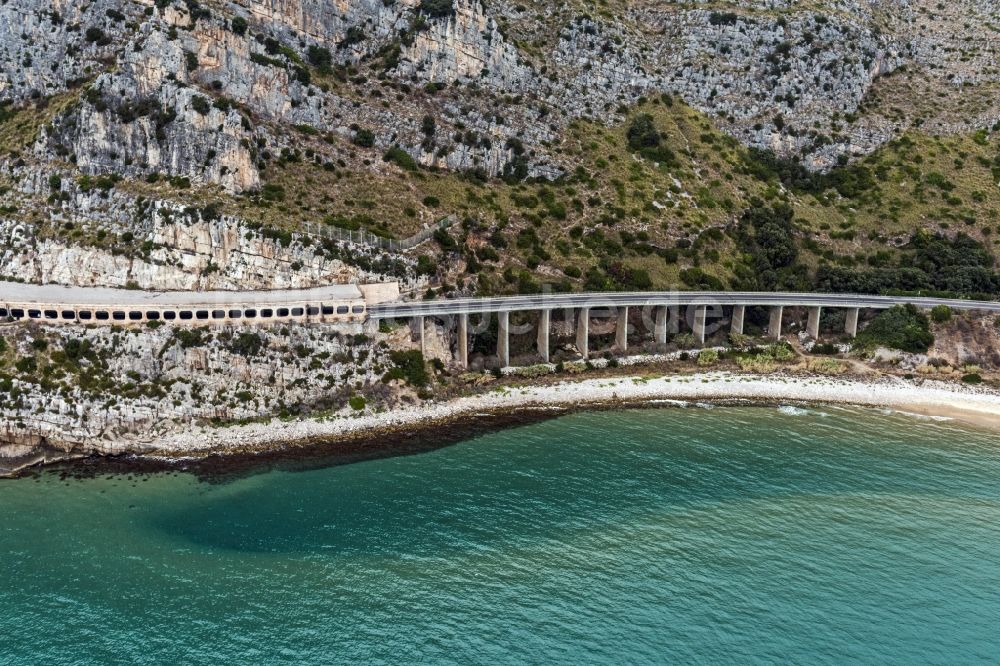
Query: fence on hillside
(362,237)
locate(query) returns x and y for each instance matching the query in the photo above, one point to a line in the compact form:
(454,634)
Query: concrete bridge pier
(544,321)
(503,339)
(669,316)
(774,325)
(812,326)
(736,321)
(660,325)
(851,322)
(423,345)
(674,320)
(621,330)
(698,324)
(583,332)
(463,341)
(568,314)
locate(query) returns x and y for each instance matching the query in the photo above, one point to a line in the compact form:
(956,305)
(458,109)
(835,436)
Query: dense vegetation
(902,327)
(409,366)
(929,263)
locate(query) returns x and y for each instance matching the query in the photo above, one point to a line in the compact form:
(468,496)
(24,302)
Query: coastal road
(339,303)
(359,302)
(551,301)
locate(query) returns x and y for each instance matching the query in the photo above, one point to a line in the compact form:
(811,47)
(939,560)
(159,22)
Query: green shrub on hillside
(931,262)
(761,363)
(826,348)
(642,133)
(26,365)
(707,357)
(247,344)
(272,192)
(97,36)
(364,138)
(740,341)
(436,8)
(902,327)
(190,337)
(401,158)
(699,279)
(645,139)
(781,351)
(941,313)
(685,341)
(848,180)
(767,236)
(410,367)
(343,222)
(200,104)
(320,58)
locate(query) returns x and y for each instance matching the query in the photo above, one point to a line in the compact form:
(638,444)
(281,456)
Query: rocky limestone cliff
(45,46)
(466,46)
(776,75)
(126,387)
(160,245)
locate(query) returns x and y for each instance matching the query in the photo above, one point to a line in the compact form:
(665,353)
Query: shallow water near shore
(818,535)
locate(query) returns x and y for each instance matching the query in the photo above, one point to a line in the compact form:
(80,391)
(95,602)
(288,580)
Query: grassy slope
(614,190)
(935,183)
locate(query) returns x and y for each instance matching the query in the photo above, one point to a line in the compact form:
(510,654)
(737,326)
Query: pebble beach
(974,405)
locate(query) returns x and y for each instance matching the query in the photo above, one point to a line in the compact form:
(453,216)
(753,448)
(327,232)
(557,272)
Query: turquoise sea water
(670,535)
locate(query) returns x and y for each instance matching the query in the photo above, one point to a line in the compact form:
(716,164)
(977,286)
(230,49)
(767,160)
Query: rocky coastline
(347,437)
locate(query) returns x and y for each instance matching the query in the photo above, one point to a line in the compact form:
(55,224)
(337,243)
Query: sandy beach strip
(973,405)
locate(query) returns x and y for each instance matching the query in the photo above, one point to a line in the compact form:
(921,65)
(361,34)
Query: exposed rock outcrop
(124,388)
(777,76)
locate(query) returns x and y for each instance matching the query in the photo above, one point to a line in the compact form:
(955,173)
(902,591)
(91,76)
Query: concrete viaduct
(661,308)
(349,303)
(58,304)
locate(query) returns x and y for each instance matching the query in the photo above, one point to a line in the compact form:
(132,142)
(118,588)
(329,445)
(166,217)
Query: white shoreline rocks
(933,397)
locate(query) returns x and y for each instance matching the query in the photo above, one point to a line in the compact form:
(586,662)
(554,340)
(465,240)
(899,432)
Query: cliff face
(466,45)
(775,76)
(225,99)
(119,391)
(173,248)
(44,45)
(145,117)
(328,21)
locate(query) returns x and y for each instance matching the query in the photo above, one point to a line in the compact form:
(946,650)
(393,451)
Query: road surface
(445,307)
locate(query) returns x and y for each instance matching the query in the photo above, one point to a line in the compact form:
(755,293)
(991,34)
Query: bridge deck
(57,297)
(446,307)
